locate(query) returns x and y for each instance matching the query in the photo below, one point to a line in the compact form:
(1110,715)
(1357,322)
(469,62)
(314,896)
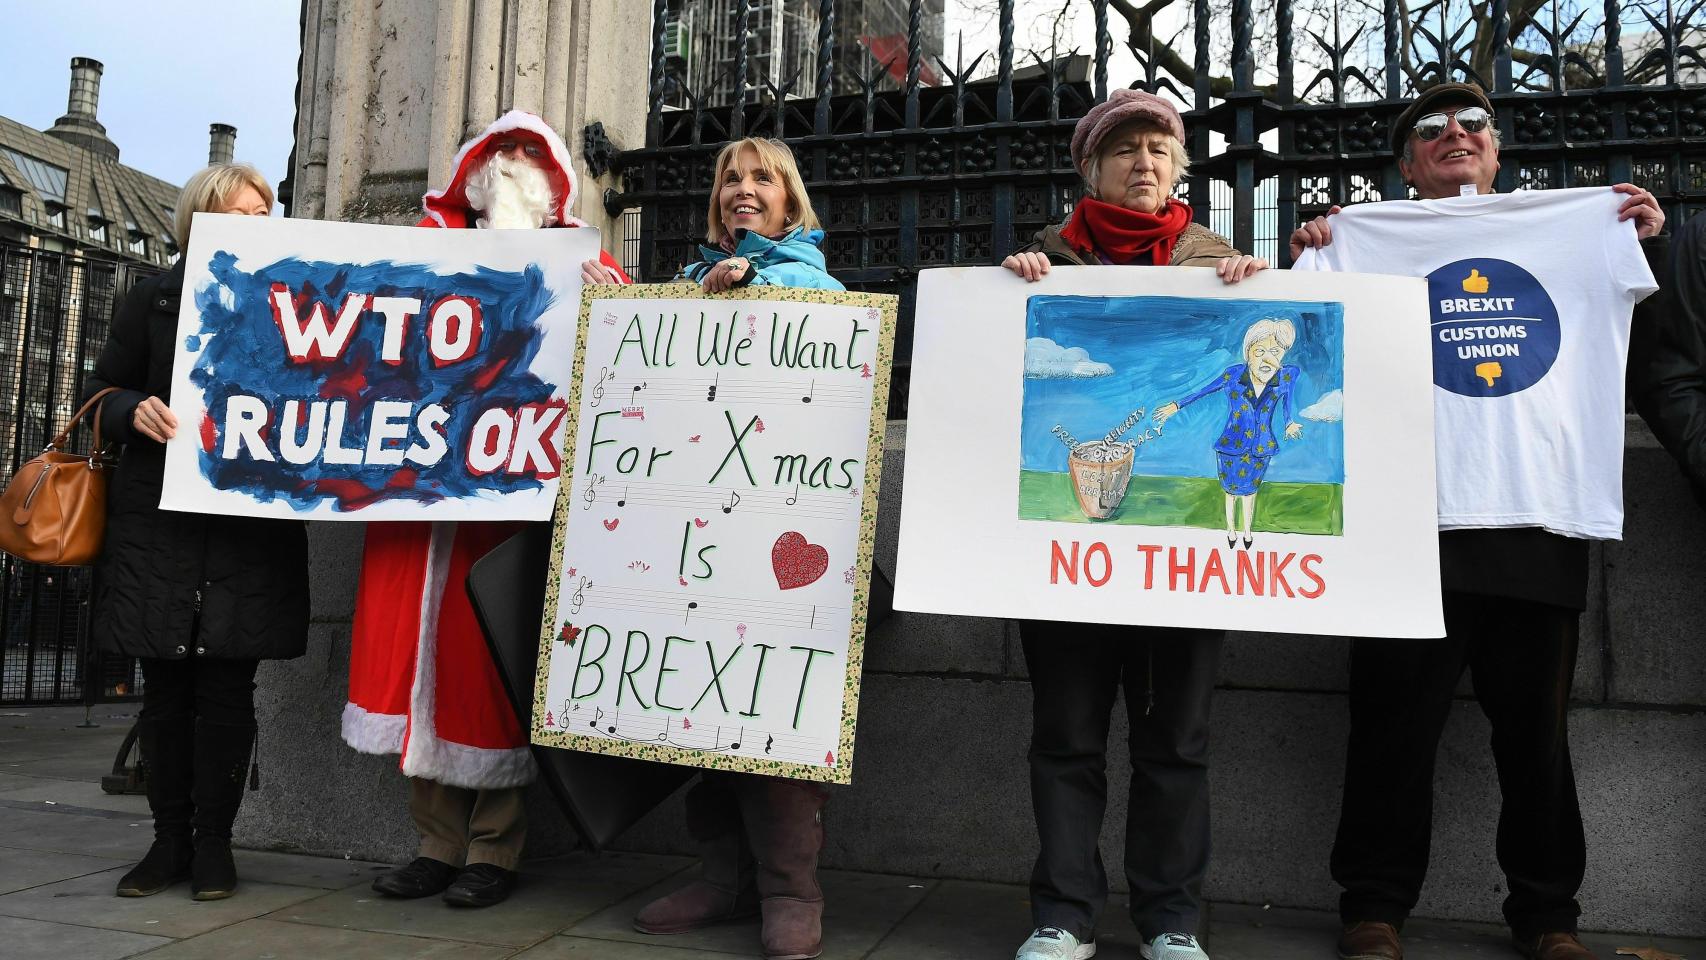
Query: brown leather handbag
(55,509)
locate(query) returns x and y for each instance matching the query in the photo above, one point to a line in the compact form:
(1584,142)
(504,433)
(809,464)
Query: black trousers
(214,691)
(198,732)
(1521,656)
(1168,677)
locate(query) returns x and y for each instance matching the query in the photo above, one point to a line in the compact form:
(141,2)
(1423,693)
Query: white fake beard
(511,194)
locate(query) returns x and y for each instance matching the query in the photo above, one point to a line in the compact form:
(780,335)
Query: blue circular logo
(1495,330)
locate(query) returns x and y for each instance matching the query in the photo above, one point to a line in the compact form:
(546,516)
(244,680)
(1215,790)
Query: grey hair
(1279,328)
(1492,128)
(1175,149)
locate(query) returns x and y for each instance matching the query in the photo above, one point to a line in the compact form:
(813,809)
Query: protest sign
(339,371)
(714,528)
(1155,447)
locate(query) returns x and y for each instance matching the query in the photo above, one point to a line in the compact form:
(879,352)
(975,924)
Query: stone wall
(941,790)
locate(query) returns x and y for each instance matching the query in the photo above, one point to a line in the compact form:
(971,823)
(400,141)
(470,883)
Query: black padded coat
(1667,350)
(174,585)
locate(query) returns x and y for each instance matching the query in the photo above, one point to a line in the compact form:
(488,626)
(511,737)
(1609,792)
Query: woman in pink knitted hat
(1130,151)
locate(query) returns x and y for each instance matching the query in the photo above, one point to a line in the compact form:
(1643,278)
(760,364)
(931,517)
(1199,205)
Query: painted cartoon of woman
(1253,390)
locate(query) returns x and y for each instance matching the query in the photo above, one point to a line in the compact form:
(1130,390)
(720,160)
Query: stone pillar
(388,92)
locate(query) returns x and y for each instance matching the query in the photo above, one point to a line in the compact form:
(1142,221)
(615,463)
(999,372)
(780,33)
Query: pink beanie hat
(1121,105)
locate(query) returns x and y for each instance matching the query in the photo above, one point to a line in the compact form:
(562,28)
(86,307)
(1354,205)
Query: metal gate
(54,312)
(914,161)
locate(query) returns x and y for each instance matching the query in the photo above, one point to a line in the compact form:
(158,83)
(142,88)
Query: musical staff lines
(690,607)
(712,389)
(796,502)
(684,733)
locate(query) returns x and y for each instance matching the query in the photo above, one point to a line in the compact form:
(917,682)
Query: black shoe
(167,862)
(422,878)
(213,874)
(1231,543)
(480,885)
(1248,541)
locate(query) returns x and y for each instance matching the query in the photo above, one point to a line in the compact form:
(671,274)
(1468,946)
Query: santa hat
(449,207)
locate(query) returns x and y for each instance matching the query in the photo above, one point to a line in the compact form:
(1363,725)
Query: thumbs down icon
(1489,371)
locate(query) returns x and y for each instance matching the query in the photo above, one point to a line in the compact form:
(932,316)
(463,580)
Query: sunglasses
(1471,119)
(532,149)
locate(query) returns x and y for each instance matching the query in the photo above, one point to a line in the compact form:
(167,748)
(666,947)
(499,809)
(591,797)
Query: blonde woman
(758,836)
(200,599)
(760,228)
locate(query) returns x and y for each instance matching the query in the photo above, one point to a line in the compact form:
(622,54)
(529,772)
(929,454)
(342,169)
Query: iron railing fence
(963,171)
(54,312)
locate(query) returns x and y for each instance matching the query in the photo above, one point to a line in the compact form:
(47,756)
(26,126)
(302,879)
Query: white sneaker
(1053,943)
(1173,946)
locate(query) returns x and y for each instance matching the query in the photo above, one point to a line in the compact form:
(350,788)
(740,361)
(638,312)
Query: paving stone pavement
(64,843)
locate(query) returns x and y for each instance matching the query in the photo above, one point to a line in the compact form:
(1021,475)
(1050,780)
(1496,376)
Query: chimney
(221,143)
(85,88)
(79,126)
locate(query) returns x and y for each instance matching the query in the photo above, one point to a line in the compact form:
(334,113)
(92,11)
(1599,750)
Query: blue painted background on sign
(1107,356)
(244,352)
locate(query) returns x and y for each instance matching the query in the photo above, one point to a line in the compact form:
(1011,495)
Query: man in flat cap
(1530,295)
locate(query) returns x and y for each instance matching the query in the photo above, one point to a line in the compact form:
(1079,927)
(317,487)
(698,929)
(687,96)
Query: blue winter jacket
(792,261)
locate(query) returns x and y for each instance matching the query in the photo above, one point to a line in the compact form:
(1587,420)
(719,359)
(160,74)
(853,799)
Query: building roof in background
(67,188)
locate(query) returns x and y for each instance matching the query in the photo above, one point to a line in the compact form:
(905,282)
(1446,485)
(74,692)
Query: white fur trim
(425,755)
(368,732)
(476,768)
(514,120)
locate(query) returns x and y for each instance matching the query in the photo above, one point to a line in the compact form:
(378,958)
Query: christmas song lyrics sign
(714,528)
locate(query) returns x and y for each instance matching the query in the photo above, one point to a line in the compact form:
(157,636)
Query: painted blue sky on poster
(1111,355)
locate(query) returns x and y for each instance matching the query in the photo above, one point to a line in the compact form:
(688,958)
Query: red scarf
(1125,236)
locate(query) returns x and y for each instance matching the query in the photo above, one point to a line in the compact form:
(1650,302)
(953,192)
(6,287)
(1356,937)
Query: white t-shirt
(1530,295)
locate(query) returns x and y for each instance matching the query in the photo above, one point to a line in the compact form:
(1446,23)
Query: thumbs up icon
(1474,283)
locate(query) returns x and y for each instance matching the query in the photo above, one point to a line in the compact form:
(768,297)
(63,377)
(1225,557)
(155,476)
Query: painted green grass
(1190,502)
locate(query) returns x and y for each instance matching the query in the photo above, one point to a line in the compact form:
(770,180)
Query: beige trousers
(458,825)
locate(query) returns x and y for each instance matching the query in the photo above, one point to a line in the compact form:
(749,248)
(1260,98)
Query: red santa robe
(421,682)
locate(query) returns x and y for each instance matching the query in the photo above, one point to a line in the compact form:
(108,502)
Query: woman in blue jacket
(1253,390)
(759,836)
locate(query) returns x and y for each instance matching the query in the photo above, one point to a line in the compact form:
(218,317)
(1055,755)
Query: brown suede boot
(724,889)
(785,824)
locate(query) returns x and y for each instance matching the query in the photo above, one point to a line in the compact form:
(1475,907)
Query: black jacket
(1667,351)
(172,584)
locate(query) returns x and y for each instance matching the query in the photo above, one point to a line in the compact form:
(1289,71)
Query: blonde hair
(211,189)
(774,158)
(1175,149)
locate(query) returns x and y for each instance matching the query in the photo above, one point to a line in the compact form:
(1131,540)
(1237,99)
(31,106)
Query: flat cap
(1430,98)
(1121,105)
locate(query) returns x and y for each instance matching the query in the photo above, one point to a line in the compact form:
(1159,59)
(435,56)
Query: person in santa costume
(422,683)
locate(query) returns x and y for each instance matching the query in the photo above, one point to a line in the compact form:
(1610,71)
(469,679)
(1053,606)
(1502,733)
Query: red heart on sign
(796,561)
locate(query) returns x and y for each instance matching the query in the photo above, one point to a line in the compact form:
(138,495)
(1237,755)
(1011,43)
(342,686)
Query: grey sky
(172,68)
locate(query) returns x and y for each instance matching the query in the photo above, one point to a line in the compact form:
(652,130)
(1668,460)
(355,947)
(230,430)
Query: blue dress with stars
(1247,442)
